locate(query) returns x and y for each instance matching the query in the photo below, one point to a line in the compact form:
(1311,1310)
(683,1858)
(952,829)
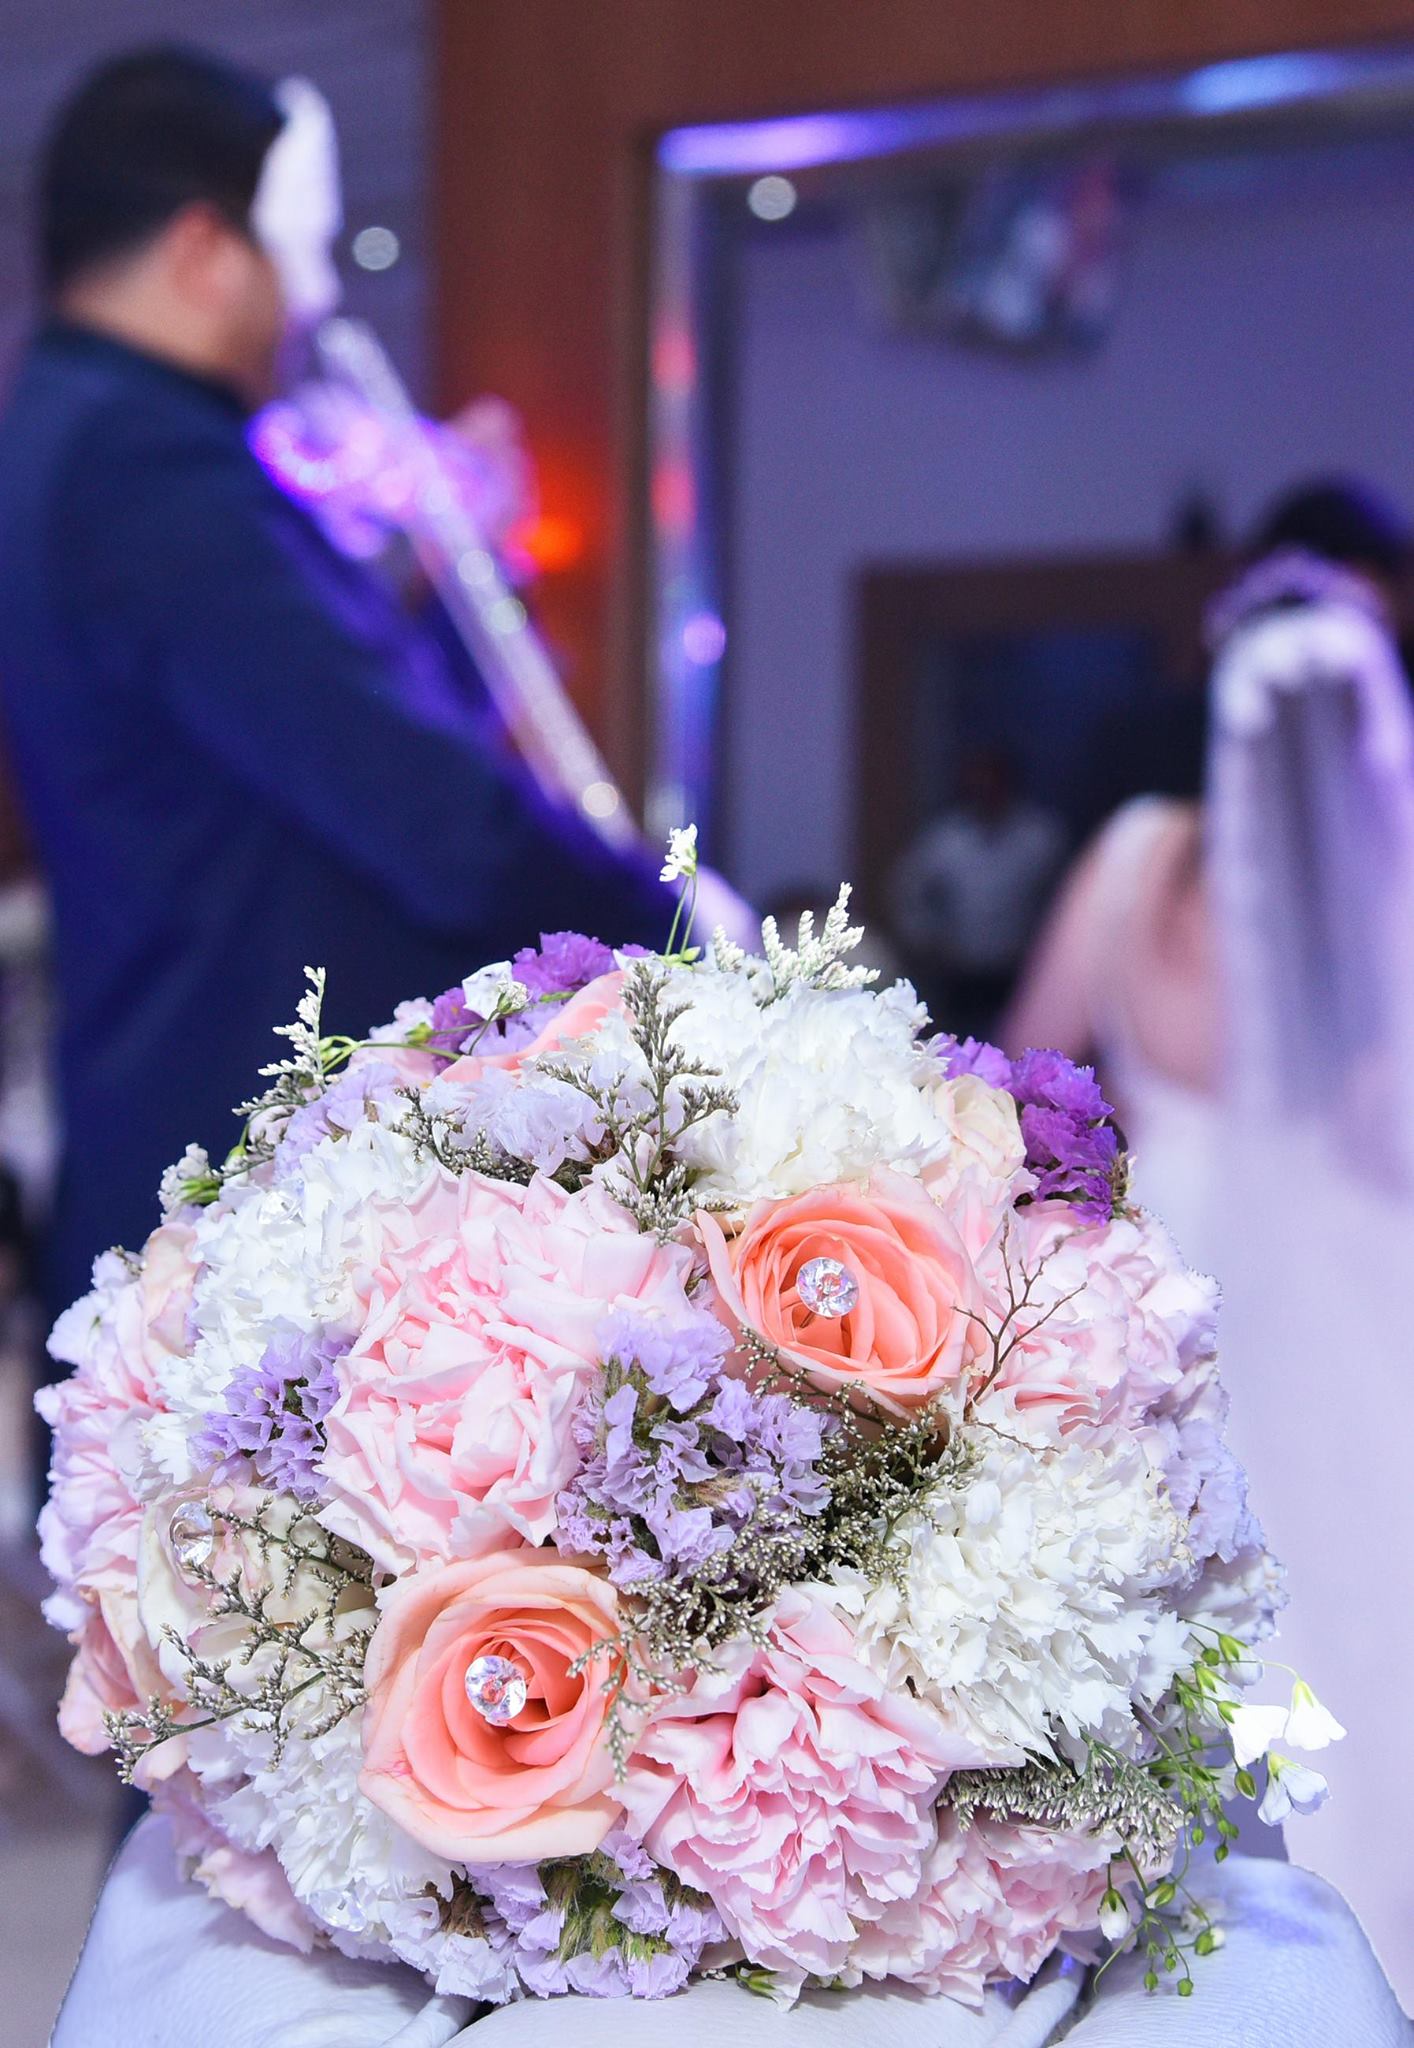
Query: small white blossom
(1311,1725)
(484,992)
(1115,1916)
(681,863)
(176,1189)
(1291,1787)
(1254,1729)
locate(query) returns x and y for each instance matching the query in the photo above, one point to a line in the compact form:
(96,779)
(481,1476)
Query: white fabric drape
(166,1967)
(1310,820)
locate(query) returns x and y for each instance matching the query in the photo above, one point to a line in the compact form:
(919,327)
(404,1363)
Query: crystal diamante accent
(192,1536)
(496,1688)
(827,1288)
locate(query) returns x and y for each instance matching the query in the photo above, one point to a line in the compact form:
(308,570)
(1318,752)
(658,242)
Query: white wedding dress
(1305,1217)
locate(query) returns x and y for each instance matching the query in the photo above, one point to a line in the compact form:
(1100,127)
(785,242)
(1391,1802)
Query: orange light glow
(550,540)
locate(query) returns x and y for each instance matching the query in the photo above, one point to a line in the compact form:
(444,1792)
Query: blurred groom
(236,750)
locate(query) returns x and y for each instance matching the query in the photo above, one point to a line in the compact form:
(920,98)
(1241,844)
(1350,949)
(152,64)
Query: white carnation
(352,1868)
(1031,1597)
(831,1084)
(279,1258)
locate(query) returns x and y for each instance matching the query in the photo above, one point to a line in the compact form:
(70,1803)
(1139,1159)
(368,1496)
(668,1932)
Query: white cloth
(166,1967)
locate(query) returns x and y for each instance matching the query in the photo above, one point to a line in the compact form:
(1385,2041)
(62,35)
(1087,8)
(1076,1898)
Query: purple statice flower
(679,1360)
(1051,1081)
(608,1925)
(564,963)
(274,1414)
(341,1107)
(455,1028)
(680,1458)
(974,1056)
(452,1022)
(1072,1144)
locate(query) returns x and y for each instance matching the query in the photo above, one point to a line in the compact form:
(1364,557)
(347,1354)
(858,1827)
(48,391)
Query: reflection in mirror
(958,416)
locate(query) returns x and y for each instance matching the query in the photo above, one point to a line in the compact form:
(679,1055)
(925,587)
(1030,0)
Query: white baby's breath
(681,862)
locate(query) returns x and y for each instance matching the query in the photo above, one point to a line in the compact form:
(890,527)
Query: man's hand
(500,468)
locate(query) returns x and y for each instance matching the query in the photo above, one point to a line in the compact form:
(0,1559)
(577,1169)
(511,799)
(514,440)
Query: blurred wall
(1255,342)
(369,56)
(546,112)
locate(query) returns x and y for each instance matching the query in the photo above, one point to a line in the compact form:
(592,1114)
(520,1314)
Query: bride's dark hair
(1341,519)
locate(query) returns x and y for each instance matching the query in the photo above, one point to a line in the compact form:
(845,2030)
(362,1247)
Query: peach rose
(913,1327)
(457,1783)
(582,1014)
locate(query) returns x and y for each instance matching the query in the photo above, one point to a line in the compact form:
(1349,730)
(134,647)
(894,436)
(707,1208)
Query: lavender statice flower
(1072,1145)
(608,1925)
(682,1462)
(562,964)
(974,1056)
(342,1106)
(1071,1140)
(273,1420)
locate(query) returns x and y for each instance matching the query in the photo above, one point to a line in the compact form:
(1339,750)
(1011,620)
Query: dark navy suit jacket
(238,755)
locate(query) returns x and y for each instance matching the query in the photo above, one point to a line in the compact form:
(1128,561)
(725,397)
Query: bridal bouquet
(651,1465)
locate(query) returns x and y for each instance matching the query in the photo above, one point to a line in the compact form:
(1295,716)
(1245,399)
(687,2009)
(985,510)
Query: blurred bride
(1242,968)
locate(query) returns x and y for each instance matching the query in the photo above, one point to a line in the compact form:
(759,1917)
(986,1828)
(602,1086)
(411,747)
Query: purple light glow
(704,639)
(746,148)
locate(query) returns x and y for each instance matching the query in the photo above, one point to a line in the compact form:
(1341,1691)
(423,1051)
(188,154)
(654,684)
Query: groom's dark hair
(141,137)
(1342,520)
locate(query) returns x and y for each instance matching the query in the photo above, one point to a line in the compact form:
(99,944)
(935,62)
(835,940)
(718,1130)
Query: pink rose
(458,1399)
(913,1327)
(565,1022)
(796,1788)
(536,1787)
